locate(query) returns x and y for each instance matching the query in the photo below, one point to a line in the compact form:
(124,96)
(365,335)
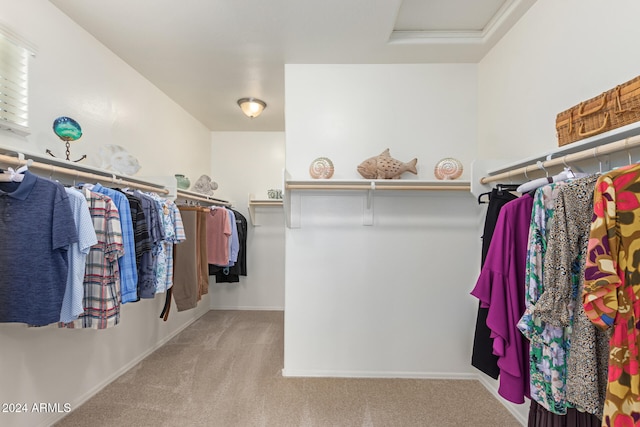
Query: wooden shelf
(192,195)
(261,203)
(379,185)
(295,190)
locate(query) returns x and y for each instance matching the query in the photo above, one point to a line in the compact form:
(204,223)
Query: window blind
(14,67)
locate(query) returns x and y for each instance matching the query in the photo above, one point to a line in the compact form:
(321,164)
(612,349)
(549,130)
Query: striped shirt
(101,299)
(72,302)
(127,263)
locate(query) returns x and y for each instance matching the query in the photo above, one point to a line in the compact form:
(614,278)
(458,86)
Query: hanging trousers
(482,357)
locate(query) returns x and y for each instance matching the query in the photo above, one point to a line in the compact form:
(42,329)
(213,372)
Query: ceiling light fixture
(252,107)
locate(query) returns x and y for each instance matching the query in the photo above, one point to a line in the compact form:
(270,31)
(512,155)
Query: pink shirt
(218,233)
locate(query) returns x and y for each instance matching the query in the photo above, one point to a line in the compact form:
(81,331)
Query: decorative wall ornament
(383,166)
(68,130)
(116,158)
(448,168)
(321,168)
(183,181)
(204,185)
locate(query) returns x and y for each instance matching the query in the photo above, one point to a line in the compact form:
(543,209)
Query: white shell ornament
(448,168)
(205,185)
(116,158)
(321,168)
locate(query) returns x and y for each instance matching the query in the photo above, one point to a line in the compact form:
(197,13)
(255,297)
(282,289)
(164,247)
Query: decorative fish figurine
(386,167)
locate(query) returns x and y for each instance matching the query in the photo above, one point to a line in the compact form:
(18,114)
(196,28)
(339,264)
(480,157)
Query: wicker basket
(616,107)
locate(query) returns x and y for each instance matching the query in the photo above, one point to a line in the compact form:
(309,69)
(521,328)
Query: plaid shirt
(127,263)
(101,281)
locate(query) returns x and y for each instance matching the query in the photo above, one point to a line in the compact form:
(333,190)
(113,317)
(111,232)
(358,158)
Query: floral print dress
(547,351)
(612,287)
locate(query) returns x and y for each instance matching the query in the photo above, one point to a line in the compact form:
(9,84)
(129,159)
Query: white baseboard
(511,407)
(54,418)
(248,308)
(380,374)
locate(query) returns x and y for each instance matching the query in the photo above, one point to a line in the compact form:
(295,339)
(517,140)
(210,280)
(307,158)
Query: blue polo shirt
(36,228)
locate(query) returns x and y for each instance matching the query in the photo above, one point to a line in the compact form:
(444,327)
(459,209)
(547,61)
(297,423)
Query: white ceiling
(206,54)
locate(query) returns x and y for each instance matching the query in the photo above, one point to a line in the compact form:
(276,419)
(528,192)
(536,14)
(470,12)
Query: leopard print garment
(561,303)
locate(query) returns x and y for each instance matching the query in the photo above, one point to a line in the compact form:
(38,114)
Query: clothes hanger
(507,187)
(17,175)
(500,188)
(10,176)
(488,194)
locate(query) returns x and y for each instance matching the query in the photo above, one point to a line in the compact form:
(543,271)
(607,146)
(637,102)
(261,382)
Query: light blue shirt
(72,305)
(127,262)
(234,242)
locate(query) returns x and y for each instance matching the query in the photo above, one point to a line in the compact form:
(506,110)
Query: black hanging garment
(482,357)
(232,274)
(540,417)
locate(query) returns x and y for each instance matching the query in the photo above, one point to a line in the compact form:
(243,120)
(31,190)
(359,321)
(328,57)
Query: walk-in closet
(344,300)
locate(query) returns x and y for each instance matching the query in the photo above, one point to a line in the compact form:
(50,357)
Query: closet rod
(80,174)
(591,153)
(377,187)
(201,198)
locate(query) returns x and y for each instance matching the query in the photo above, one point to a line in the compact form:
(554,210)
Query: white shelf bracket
(252,212)
(367,215)
(295,207)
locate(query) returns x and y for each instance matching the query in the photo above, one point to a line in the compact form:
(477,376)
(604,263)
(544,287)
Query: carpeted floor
(225,370)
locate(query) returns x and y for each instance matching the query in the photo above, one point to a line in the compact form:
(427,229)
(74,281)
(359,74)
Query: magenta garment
(501,289)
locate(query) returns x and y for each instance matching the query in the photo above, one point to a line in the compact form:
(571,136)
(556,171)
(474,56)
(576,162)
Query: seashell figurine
(204,185)
(384,166)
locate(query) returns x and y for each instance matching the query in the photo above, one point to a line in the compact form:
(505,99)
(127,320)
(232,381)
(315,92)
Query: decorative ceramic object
(116,158)
(183,181)
(384,166)
(67,130)
(448,168)
(274,194)
(321,168)
(204,185)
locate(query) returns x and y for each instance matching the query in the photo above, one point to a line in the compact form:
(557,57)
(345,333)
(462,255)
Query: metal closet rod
(591,153)
(80,174)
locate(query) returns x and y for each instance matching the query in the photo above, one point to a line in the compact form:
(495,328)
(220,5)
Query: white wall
(73,75)
(391,299)
(243,163)
(349,113)
(560,53)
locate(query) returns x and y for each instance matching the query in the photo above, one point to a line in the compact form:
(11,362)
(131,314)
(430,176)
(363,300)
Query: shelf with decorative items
(381,175)
(255,203)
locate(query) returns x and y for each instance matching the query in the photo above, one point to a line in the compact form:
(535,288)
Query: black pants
(482,357)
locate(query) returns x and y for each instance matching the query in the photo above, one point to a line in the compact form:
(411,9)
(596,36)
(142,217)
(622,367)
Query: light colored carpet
(225,370)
